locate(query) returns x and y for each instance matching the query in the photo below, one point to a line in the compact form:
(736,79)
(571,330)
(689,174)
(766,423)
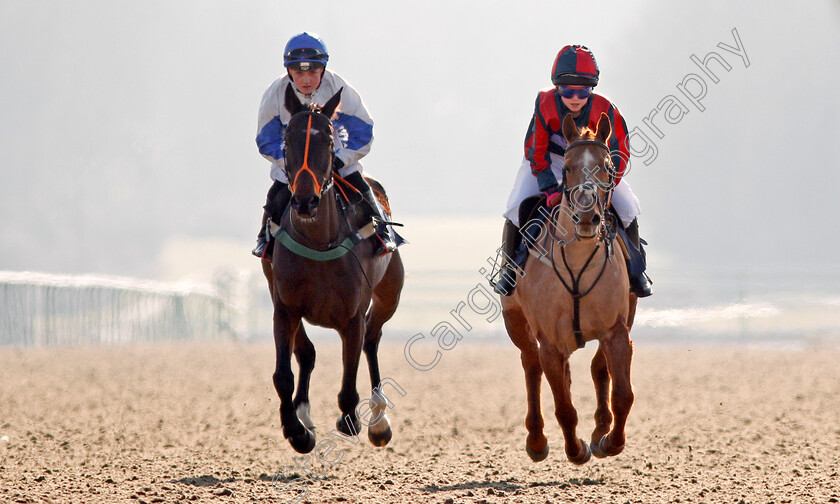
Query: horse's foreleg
(285,325)
(603,417)
(379,428)
(348,398)
(536,444)
(386,297)
(555,364)
(619,354)
(305,355)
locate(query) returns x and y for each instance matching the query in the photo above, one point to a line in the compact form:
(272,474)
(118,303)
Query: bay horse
(324,272)
(577,291)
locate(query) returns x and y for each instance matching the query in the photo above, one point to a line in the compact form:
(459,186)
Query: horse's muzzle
(305,206)
(587,227)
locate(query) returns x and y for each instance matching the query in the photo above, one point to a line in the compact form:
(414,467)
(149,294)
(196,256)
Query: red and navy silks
(575,65)
(547,121)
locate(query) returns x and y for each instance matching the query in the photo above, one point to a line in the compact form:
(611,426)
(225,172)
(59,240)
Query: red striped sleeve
(545,122)
(618,140)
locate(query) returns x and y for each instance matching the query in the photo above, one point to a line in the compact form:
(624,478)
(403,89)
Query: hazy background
(127,128)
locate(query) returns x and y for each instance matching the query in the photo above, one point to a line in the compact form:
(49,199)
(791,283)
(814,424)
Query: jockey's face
(307,81)
(574,103)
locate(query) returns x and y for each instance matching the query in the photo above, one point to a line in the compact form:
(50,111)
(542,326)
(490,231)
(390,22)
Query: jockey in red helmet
(574,74)
(305,58)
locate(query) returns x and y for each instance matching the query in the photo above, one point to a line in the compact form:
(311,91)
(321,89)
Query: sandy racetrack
(185,422)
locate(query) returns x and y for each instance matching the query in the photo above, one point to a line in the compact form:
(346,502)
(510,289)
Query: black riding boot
(384,240)
(511,239)
(275,204)
(640,284)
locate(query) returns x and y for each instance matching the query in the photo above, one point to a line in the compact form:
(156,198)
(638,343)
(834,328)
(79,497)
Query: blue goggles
(582,93)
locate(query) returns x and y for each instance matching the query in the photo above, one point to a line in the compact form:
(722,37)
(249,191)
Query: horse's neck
(325,228)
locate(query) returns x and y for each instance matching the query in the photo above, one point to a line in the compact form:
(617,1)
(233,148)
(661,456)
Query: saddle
(531,215)
(381,195)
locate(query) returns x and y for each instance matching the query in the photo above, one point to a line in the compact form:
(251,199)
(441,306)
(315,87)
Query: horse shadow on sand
(510,486)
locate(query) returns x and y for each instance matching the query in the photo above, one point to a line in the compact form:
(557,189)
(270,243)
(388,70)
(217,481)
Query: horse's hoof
(347,427)
(608,448)
(537,456)
(303,442)
(596,450)
(582,459)
(380,439)
(302,412)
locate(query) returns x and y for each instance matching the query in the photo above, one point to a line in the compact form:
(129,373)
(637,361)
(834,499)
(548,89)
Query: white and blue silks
(352,123)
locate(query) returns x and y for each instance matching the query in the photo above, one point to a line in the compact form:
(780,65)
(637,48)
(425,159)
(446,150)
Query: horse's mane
(587,134)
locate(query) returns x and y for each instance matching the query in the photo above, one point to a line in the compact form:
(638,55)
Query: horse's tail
(380,194)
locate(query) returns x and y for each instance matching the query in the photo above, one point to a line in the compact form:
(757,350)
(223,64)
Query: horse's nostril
(596,219)
(305,205)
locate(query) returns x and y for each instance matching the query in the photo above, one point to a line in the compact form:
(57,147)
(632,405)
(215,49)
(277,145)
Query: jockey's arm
(354,127)
(537,151)
(270,127)
(618,143)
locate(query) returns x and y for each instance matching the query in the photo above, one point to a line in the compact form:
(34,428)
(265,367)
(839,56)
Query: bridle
(605,232)
(314,250)
(587,191)
(321,186)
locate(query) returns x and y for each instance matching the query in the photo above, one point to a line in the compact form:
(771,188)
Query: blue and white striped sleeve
(270,127)
(353,126)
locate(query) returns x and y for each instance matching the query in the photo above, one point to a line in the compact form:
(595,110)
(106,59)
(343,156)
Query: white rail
(38,309)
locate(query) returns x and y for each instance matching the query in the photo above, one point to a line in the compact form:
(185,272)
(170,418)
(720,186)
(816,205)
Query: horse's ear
(329,108)
(293,105)
(604,128)
(570,131)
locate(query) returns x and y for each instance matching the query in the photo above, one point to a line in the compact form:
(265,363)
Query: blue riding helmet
(305,49)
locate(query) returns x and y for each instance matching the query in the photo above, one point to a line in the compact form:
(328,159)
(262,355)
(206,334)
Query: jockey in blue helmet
(304,50)
(305,59)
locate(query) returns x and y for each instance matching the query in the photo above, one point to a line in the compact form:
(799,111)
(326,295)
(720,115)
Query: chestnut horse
(323,271)
(577,291)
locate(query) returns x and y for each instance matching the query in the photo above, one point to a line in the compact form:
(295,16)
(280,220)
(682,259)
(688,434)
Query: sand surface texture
(185,422)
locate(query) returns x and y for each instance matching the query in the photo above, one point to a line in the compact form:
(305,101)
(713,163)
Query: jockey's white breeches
(626,203)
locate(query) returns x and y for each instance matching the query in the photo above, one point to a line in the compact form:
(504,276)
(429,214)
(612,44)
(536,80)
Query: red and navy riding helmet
(575,65)
(305,50)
